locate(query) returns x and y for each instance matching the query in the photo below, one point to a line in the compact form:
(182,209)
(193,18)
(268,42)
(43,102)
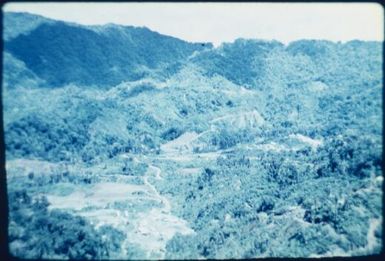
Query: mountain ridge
(258,148)
(101,57)
(107,55)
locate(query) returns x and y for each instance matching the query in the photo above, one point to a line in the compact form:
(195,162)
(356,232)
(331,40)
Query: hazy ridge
(253,148)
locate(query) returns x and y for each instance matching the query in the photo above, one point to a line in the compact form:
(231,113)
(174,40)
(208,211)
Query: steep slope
(16,74)
(63,53)
(258,64)
(16,24)
(242,61)
(261,149)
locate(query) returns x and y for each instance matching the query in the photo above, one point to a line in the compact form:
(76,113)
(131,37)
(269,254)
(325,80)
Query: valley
(158,148)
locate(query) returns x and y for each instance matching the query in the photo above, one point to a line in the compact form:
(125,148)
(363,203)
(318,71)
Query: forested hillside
(124,143)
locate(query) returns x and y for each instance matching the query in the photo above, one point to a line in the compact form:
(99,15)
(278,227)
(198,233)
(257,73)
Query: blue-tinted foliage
(261,149)
(61,53)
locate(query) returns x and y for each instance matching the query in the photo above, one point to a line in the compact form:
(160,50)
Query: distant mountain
(16,24)
(63,53)
(241,61)
(260,64)
(262,149)
(59,53)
